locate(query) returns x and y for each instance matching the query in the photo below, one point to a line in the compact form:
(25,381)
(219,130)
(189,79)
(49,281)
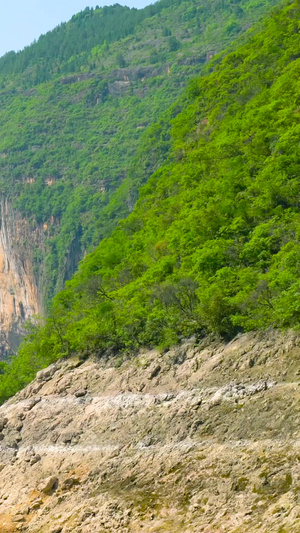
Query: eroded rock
(49,484)
(207,440)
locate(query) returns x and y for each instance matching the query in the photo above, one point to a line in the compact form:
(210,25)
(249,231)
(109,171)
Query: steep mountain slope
(74,114)
(212,245)
(204,438)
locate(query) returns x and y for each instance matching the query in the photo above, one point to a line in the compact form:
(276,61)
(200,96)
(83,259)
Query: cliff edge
(19,295)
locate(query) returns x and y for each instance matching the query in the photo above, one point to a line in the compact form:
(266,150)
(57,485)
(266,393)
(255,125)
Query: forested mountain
(76,148)
(68,47)
(171,402)
(212,244)
(85,118)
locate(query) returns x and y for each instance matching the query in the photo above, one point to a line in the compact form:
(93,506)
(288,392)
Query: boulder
(48,485)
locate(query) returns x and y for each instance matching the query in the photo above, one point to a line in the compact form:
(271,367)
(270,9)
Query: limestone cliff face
(18,289)
(203,438)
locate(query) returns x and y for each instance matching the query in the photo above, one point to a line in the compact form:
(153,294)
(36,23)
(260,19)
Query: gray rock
(154,370)
(36,504)
(48,484)
(3,423)
(80,393)
(68,436)
(69,483)
(32,403)
(35,459)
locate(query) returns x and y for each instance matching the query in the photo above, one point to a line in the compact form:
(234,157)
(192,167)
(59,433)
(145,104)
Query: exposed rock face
(204,438)
(18,290)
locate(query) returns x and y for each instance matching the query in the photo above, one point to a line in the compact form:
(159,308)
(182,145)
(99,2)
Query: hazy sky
(23,21)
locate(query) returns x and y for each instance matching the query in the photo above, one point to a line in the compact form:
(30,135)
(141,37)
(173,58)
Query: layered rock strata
(204,438)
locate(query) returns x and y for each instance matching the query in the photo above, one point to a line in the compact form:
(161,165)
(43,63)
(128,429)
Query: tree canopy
(211,246)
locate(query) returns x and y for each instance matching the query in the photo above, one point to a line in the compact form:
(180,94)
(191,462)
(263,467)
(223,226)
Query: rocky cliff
(18,289)
(203,438)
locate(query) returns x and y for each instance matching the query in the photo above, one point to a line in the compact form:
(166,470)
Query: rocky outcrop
(204,438)
(18,290)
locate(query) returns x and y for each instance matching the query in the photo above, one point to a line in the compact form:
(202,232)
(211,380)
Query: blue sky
(23,21)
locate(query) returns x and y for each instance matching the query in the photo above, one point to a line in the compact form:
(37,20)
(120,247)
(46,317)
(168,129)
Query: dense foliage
(75,149)
(67,47)
(213,242)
